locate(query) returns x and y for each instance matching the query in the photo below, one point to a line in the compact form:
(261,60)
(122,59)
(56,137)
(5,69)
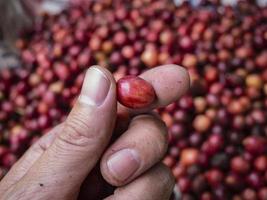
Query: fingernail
(95,87)
(123,164)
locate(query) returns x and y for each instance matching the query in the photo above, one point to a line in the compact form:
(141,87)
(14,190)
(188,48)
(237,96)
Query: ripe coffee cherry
(239,165)
(189,156)
(135,92)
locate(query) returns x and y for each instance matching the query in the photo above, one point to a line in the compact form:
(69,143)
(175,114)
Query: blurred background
(217,131)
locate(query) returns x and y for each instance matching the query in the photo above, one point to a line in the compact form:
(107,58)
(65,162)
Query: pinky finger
(156,184)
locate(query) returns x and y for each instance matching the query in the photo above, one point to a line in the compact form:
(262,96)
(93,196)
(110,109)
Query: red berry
(206,196)
(255,144)
(135,92)
(189,156)
(239,165)
(184,184)
(262,193)
(255,180)
(260,163)
(249,194)
(214,177)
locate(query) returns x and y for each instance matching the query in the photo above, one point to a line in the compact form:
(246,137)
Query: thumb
(85,134)
(89,126)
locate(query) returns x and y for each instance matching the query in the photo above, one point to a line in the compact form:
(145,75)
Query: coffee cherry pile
(217,131)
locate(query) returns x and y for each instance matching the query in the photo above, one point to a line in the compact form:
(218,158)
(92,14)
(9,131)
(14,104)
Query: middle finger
(139,148)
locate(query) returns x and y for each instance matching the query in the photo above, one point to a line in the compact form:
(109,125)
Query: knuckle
(161,126)
(157,132)
(75,132)
(151,121)
(162,146)
(168,179)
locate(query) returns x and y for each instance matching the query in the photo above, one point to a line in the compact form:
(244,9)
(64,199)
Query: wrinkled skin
(90,151)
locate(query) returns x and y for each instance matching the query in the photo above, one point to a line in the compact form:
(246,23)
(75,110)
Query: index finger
(170,82)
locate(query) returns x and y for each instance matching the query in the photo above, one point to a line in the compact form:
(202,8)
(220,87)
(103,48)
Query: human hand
(79,159)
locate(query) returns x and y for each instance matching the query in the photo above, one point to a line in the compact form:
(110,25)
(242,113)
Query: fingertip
(182,75)
(106,72)
(99,87)
(157,183)
(169,81)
